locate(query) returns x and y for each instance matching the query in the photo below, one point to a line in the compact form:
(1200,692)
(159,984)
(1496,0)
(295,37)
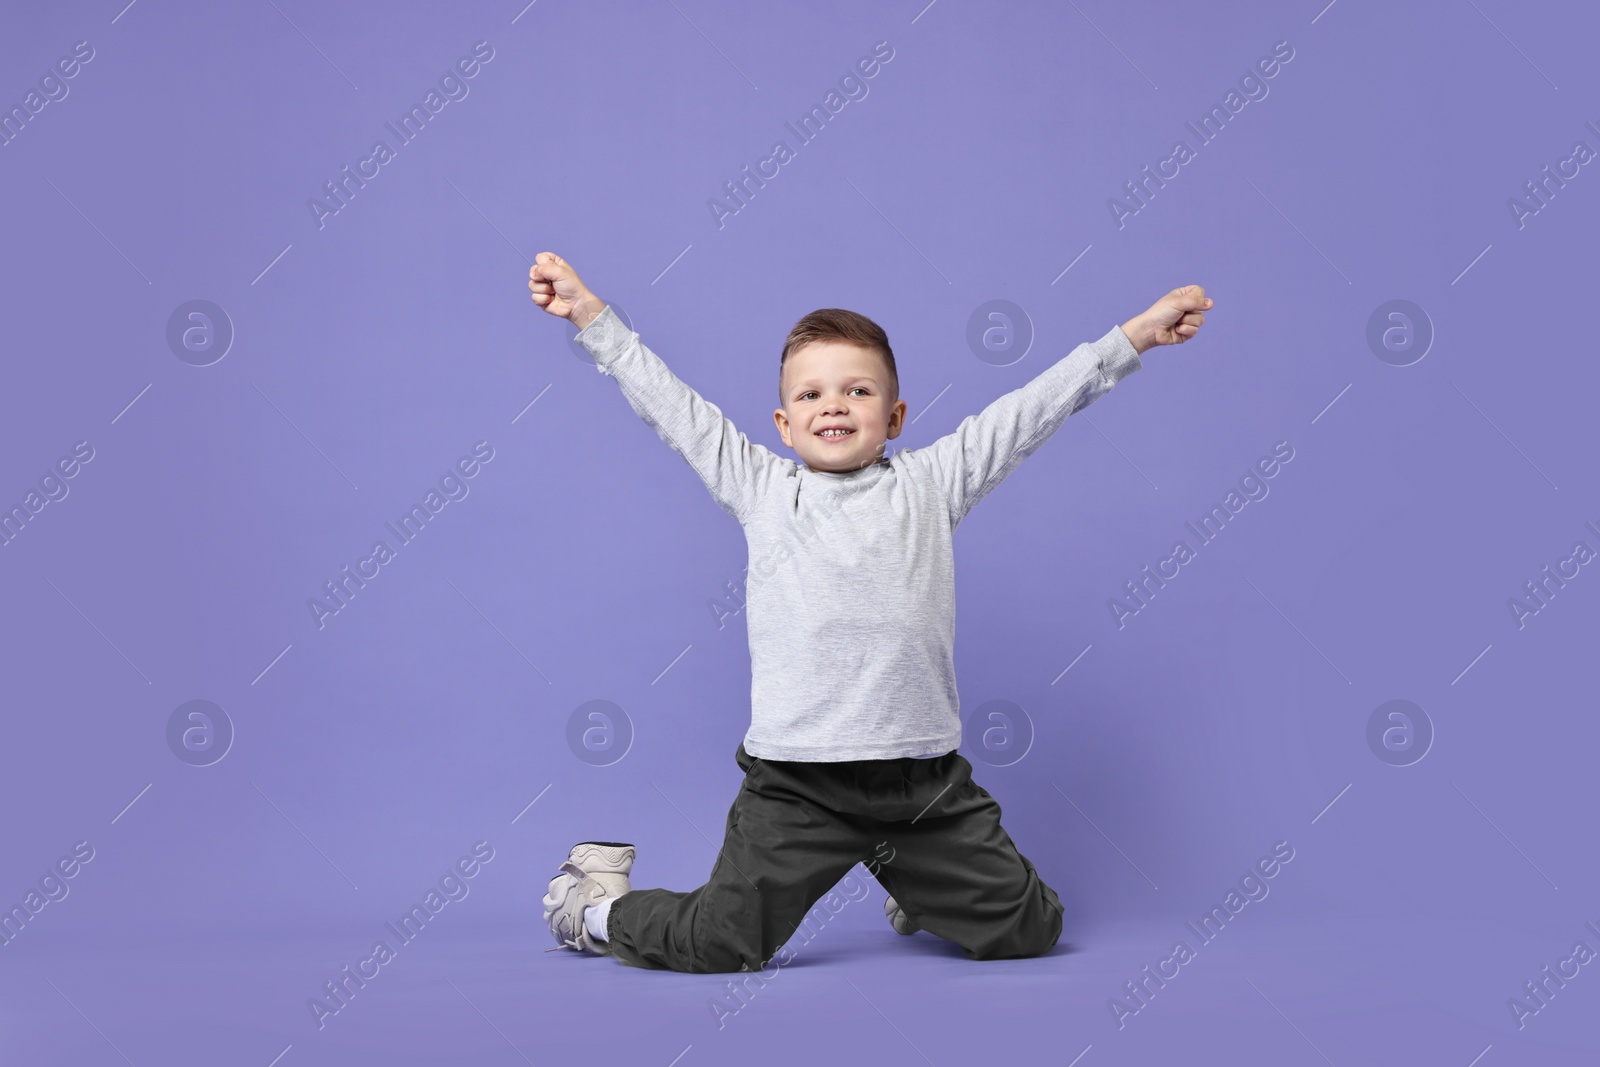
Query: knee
(1045,938)
(1014,948)
(1032,933)
(725,950)
(720,959)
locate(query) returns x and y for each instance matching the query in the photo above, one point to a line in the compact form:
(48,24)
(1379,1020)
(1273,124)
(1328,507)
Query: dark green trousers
(923,828)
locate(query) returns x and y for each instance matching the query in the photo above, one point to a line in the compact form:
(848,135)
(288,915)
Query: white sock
(594,918)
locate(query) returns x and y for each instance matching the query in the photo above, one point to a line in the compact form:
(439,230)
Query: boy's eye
(859,388)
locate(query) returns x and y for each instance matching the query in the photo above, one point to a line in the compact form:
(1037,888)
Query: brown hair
(837,324)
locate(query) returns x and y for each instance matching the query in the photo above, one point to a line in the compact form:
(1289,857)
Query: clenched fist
(1171,320)
(557,288)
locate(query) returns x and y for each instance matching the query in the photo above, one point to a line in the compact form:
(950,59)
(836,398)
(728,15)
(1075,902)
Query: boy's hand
(557,288)
(1171,320)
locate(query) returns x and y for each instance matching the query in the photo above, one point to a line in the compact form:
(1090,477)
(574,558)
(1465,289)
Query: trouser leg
(783,848)
(956,872)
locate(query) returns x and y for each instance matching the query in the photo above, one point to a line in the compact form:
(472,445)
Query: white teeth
(835,433)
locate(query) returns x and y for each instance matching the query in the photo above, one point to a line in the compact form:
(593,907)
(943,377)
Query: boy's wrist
(586,310)
(1137,335)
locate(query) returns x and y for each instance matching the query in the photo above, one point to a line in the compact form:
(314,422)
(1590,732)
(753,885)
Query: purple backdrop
(243,343)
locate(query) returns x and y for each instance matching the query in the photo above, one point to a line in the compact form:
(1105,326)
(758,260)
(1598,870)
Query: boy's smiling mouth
(835,433)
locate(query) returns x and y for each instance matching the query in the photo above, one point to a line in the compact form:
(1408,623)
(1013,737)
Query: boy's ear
(897,419)
(781,418)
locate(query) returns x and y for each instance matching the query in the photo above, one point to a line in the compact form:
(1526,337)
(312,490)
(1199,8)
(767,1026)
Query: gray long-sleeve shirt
(850,588)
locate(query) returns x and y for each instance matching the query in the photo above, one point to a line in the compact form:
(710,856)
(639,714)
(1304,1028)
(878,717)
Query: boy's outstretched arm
(988,446)
(735,470)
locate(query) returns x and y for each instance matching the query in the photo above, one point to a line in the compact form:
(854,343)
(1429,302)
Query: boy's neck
(856,470)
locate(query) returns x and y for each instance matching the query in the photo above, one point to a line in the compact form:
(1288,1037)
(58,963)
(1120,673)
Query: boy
(850,606)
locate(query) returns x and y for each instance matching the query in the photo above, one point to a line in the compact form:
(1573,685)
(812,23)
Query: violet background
(373,352)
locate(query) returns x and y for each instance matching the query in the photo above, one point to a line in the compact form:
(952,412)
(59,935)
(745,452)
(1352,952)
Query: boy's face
(829,384)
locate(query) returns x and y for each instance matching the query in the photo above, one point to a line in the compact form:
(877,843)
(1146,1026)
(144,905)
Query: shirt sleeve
(988,446)
(735,470)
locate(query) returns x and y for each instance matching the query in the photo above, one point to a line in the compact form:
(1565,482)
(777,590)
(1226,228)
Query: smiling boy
(855,718)
(846,430)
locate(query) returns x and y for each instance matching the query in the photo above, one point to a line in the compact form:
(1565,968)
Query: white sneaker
(898,919)
(593,871)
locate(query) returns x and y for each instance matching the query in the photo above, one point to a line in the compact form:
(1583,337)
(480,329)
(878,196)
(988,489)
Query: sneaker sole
(563,927)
